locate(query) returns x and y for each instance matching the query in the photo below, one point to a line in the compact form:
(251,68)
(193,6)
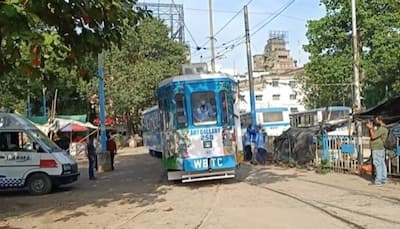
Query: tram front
(204,134)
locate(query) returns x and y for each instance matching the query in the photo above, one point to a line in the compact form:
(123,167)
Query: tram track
(341,213)
(310,204)
(210,209)
(389,199)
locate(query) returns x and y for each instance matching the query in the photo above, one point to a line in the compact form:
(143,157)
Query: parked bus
(315,117)
(274,120)
(197,127)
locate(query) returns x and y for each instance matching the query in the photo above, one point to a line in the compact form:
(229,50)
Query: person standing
(112,148)
(378,134)
(247,144)
(91,155)
(261,156)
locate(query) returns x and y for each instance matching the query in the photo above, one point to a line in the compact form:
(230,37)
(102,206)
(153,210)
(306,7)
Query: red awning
(73,127)
(108,121)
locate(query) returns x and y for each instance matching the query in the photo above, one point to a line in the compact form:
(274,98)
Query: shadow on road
(137,180)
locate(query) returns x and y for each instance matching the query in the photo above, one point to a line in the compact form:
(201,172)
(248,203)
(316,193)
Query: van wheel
(39,184)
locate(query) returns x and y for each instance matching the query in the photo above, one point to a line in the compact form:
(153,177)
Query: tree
(17,86)
(329,74)
(70,30)
(133,72)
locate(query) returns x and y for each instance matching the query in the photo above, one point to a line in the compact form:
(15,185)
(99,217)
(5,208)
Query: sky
(232,59)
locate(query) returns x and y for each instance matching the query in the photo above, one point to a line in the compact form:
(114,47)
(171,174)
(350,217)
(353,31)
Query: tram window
(162,114)
(225,108)
(180,111)
(203,108)
(273,116)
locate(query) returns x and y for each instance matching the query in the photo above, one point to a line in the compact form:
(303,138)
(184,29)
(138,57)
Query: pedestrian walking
(91,155)
(112,148)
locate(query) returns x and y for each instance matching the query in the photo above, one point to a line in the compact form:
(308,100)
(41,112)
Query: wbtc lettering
(203,163)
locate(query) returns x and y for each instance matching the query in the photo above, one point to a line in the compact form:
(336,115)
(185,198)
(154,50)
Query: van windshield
(44,141)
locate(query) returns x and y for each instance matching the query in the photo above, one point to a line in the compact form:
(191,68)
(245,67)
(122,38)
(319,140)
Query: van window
(44,141)
(16,142)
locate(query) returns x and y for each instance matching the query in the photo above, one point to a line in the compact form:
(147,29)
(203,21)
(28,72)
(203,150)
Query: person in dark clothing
(261,155)
(247,144)
(112,148)
(91,155)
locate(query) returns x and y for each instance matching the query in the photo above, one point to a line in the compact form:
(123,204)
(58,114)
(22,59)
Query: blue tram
(198,127)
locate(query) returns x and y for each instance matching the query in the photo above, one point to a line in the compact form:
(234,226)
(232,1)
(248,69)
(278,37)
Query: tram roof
(194,78)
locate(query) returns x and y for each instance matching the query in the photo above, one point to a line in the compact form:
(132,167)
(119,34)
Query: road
(137,195)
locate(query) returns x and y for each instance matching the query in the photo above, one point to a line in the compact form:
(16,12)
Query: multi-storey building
(276,57)
(273,90)
(275,76)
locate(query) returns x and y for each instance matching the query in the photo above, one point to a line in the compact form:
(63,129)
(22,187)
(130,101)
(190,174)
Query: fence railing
(341,152)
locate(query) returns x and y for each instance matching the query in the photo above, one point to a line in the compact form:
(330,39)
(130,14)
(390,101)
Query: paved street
(137,195)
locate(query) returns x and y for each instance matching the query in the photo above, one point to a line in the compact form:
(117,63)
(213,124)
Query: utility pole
(356,61)
(250,68)
(211,37)
(356,67)
(102,109)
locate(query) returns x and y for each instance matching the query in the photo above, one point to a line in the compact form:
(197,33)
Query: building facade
(275,76)
(276,57)
(273,90)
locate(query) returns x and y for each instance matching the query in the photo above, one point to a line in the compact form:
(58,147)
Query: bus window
(272,116)
(180,111)
(204,112)
(225,108)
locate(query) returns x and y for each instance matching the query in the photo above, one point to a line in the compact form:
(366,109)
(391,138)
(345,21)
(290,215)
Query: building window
(292,84)
(275,82)
(293,97)
(276,97)
(241,98)
(294,110)
(259,97)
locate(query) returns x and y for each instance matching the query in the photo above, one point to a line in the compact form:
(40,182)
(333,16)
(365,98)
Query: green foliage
(54,44)
(324,168)
(68,30)
(329,73)
(133,72)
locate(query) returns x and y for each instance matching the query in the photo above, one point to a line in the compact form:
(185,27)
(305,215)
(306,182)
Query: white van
(29,159)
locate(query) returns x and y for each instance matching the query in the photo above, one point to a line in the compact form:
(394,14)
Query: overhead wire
(250,13)
(239,41)
(224,26)
(184,25)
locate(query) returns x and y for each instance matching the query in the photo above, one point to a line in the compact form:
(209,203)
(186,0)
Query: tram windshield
(204,108)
